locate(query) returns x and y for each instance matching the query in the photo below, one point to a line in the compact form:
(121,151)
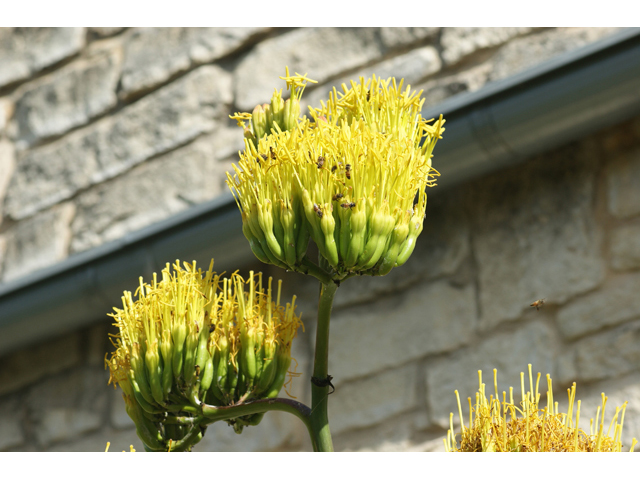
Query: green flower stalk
(346,178)
(193,339)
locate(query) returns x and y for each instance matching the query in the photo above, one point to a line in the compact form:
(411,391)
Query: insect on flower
(316,209)
(348,205)
(320,161)
(538,303)
(348,172)
(337,196)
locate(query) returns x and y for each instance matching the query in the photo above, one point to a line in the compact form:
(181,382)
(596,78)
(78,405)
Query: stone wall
(104,131)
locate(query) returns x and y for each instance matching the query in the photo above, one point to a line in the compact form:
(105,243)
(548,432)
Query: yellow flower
(346,178)
(194,337)
(535,429)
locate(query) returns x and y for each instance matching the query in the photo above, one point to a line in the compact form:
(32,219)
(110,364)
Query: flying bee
(316,209)
(348,205)
(348,172)
(320,161)
(337,196)
(538,303)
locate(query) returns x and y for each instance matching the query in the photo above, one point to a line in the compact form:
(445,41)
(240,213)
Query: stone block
(67,98)
(369,401)
(68,405)
(623,183)
(398,37)
(27,366)
(277,431)
(25,51)
(162,121)
(96,441)
(460,42)
(7,167)
(38,242)
(154,55)
(6,111)
(11,418)
(427,319)
(413,66)
(105,31)
(150,192)
(396,434)
(321,53)
(616,302)
(534,234)
(468,80)
(609,354)
(510,352)
(525,52)
(625,247)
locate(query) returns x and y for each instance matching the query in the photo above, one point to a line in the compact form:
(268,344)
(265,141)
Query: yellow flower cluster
(347,178)
(194,337)
(536,429)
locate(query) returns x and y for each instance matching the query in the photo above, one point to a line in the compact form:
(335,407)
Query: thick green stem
(215,414)
(321,436)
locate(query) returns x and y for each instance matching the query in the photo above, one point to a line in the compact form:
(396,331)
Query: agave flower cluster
(346,177)
(531,428)
(195,338)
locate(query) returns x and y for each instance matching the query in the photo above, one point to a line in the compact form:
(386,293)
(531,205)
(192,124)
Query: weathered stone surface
(369,401)
(320,52)
(11,418)
(427,319)
(3,249)
(623,181)
(459,42)
(148,193)
(67,98)
(168,118)
(38,242)
(277,431)
(393,37)
(68,405)
(413,66)
(470,80)
(105,31)
(610,354)
(510,352)
(153,55)
(120,440)
(7,167)
(30,365)
(625,247)
(393,435)
(616,302)
(534,234)
(118,414)
(522,53)
(24,51)
(6,111)
(618,391)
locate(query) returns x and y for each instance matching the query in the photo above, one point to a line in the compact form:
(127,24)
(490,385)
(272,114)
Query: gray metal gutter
(502,124)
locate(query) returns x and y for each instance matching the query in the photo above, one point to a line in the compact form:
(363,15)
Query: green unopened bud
(259,123)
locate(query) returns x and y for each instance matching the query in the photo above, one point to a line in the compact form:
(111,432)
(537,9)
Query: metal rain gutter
(502,124)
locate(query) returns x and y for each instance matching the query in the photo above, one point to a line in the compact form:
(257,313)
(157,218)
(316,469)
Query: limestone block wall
(106,130)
